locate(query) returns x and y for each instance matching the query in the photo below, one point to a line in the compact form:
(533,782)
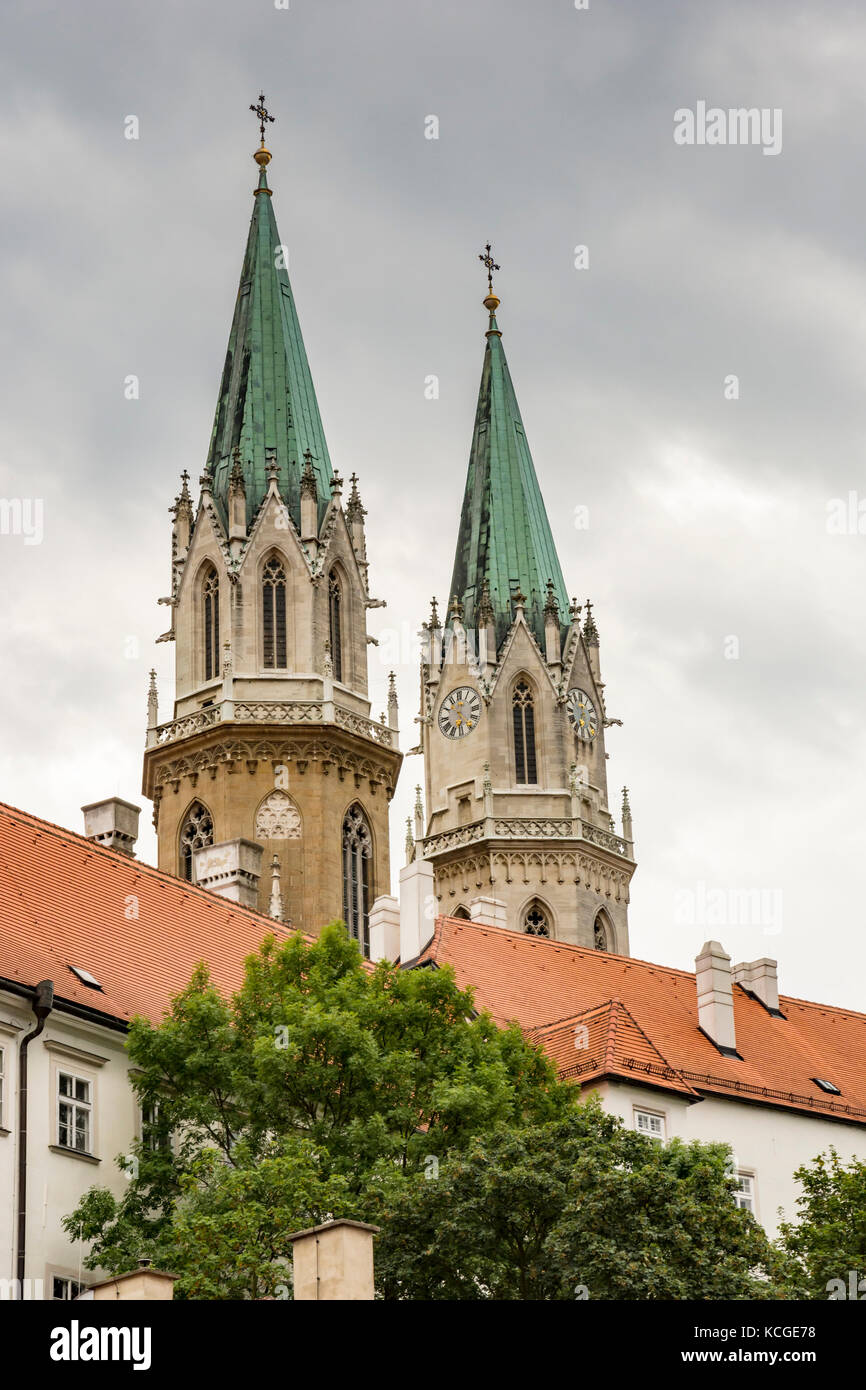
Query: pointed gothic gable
(504,535)
(208,541)
(266,396)
(521,652)
(578,671)
(273,526)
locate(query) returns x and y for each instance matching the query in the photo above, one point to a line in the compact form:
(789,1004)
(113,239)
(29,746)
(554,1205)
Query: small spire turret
(552,635)
(237,498)
(275,906)
(309,493)
(590,631)
(627,828)
(152,702)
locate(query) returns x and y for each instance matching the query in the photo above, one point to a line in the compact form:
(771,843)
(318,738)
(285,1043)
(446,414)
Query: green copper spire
(266,398)
(505,536)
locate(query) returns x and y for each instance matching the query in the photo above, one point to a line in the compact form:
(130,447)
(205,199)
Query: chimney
(716,997)
(113,823)
(334,1261)
(231,869)
(760,977)
(385,929)
(488,912)
(139,1284)
(417,908)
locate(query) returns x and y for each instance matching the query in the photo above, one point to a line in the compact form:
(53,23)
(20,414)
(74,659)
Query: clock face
(460,712)
(582,715)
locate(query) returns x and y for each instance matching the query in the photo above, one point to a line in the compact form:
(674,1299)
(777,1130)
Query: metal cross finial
(262,112)
(487,260)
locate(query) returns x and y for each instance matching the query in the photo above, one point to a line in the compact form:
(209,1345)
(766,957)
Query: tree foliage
(578,1207)
(828,1241)
(326,1087)
(273,1109)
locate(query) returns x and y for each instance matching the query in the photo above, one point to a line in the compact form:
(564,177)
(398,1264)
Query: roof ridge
(504,539)
(611,1040)
(546,944)
(649,1042)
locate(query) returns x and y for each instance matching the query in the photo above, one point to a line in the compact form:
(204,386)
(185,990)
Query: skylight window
(85,977)
(826,1086)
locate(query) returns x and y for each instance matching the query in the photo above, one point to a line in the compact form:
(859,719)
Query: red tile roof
(65,901)
(641,1022)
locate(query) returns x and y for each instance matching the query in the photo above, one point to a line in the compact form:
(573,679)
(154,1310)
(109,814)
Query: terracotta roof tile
(643,1018)
(65,901)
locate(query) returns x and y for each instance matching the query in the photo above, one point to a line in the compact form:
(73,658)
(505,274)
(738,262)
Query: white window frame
(2,1080)
(658,1115)
(77,1105)
(150,1141)
(748,1192)
(70,1283)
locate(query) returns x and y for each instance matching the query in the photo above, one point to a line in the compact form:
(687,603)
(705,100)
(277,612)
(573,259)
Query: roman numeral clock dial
(581,715)
(459,712)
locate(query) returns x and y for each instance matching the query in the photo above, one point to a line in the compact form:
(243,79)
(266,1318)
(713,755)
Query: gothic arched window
(536,922)
(211,601)
(523,710)
(461,912)
(197,830)
(274,614)
(600,934)
(335,623)
(357,886)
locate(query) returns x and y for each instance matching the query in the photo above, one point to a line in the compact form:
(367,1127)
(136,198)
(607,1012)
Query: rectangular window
(280,597)
(648,1122)
(268,622)
(65,1289)
(208,638)
(74,1106)
(745,1193)
(151,1136)
(529,731)
(519,751)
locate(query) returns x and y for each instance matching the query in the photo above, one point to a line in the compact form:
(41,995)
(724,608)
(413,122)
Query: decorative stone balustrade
(527,828)
(274,712)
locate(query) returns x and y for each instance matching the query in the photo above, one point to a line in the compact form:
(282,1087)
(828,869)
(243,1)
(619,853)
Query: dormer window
(826,1086)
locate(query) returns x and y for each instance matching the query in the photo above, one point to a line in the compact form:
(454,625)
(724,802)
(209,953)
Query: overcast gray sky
(708,517)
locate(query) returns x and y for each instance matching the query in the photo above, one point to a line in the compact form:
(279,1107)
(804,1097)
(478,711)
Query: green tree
(574,1207)
(283,1102)
(327,1087)
(828,1241)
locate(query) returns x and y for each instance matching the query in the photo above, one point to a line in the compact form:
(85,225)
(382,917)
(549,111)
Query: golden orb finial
(490,302)
(262,155)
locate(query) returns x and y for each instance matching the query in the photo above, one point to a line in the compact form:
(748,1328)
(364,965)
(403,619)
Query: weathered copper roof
(266,397)
(505,535)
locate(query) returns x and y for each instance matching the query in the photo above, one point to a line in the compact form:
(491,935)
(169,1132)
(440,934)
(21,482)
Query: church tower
(271,782)
(518,828)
